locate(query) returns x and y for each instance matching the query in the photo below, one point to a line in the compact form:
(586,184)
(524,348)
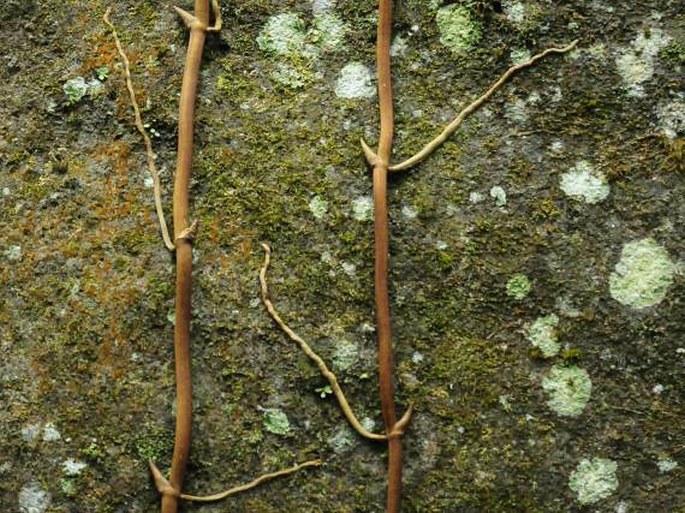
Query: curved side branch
(146,139)
(252,484)
(399,427)
(449,129)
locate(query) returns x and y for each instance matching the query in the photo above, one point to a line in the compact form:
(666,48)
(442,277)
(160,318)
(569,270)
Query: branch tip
(163,486)
(188,19)
(371,157)
(217,17)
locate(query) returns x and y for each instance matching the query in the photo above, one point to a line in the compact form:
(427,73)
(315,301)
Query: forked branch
(429,148)
(399,427)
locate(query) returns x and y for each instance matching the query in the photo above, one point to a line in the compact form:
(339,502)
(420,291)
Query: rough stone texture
(87,372)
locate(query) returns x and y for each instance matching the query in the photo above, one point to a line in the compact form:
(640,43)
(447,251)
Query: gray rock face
(583,151)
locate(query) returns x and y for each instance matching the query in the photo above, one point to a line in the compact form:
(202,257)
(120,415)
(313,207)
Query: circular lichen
(594,480)
(518,286)
(583,182)
(569,389)
(459,31)
(643,274)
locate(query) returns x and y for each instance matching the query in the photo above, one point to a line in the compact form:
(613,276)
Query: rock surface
(86,378)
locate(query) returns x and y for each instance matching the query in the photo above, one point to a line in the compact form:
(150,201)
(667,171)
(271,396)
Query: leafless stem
(398,428)
(381,249)
(165,488)
(146,139)
(183,232)
(449,129)
(252,484)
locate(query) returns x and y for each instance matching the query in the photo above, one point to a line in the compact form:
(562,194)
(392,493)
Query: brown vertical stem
(380,199)
(184,254)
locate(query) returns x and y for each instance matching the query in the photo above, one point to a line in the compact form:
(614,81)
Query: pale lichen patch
(584,182)
(666,464)
(671,117)
(543,335)
(569,389)
(518,286)
(594,480)
(643,274)
(33,498)
(459,30)
(355,82)
(318,207)
(499,195)
(635,64)
(362,208)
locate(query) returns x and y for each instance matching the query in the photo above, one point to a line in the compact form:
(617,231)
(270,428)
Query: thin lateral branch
(252,484)
(399,427)
(146,139)
(449,129)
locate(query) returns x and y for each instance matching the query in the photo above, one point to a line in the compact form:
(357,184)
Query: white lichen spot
(50,433)
(342,440)
(355,82)
(643,274)
(498,194)
(328,32)
(476,197)
(519,55)
(33,498)
(569,389)
(30,432)
(72,467)
(322,6)
(13,253)
(75,89)
(148,182)
(318,207)
(459,31)
(362,208)
(399,47)
(672,117)
(657,389)
(283,34)
(276,421)
(345,354)
(417,357)
(348,268)
(593,480)
(514,11)
(635,64)
(666,464)
(409,212)
(557,146)
(543,335)
(584,182)
(621,507)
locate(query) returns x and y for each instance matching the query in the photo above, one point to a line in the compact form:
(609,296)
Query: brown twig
(183,231)
(146,139)
(381,238)
(398,428)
